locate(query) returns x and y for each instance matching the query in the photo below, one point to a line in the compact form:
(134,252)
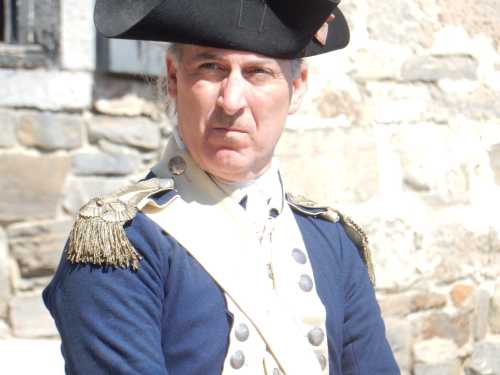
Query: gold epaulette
(355,233)
(98,237)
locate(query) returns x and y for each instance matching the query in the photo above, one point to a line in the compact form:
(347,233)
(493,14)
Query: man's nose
(232,96)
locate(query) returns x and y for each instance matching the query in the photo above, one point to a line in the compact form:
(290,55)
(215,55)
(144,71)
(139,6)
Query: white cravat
(263,193)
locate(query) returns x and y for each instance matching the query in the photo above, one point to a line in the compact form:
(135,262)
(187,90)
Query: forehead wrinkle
(249,59)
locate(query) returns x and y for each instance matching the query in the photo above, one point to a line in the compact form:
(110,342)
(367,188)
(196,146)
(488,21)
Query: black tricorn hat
(277,28)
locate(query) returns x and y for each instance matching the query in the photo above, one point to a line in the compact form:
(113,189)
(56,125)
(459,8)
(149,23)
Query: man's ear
(171,77)
(299,88)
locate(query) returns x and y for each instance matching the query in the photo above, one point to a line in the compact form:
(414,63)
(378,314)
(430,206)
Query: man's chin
(231,166)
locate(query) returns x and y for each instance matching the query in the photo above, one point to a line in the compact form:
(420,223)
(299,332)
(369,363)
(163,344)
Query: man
(207,266)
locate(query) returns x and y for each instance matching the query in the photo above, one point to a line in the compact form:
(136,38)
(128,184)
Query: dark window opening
(29,33)
(2,20)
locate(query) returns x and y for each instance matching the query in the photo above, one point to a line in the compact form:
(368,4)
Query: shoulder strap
(231,256)
(98,237)
(354,231)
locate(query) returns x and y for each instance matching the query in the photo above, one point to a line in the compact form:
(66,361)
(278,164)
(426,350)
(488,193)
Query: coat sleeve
(366,350)
(109,319)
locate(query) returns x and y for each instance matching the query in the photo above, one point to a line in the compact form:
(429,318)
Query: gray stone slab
(31,185)
(434,68)
(138,132)
(50,131)
(37,246)
(101,163)
(52,90)
(30,318)
(448,368)
(485,359)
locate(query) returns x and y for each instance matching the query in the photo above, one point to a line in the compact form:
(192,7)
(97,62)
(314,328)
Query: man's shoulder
(307,207)
(98,236)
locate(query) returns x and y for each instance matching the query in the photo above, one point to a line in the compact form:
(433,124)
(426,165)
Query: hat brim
(222,24)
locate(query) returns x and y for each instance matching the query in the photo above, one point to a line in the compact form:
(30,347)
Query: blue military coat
(170,317)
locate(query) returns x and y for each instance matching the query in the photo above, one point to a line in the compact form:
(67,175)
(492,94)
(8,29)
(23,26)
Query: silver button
(305,283)
(177,165)
(321,359)
(237,360)
(316,336)
(241,332)
(299,256)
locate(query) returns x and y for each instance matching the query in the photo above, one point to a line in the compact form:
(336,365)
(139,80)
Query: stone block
(336,165)
(330,104)
(444,326)
(77,35)
(37,246)
(481,312)
(404,304)
(23,357)
(435,351)
(426,301)
(100,163)
(389,102)
(8,125)
(30,318)
(137,132)
(479,104)
(384,22)
(50,131)
(392,230)
(494,155)
(485,359)
(495,311)
(434,68)
(462,294)
(479,19)
(130,105)
(51,90)
(396,305)
(4,274)
(81,189)
(448,368)
(379,60)
(5,332)
(461,241)
(31,185)
(400,337)
(441,176)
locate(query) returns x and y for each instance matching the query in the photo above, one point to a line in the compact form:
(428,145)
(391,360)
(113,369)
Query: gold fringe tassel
(101,243)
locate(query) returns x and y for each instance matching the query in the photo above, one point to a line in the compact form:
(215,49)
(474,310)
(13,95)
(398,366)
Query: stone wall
(400,130)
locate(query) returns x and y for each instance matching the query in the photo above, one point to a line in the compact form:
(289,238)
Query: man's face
(232,107)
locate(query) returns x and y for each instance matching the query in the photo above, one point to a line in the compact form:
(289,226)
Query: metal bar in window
(25,19)
(7,20)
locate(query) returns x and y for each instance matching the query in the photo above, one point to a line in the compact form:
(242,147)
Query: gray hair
(174,51)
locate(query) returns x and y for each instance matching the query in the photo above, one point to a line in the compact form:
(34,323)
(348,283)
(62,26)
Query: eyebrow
(205,55)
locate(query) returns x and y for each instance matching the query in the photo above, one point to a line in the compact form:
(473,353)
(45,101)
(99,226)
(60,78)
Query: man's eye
(210,66)
(258,71)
